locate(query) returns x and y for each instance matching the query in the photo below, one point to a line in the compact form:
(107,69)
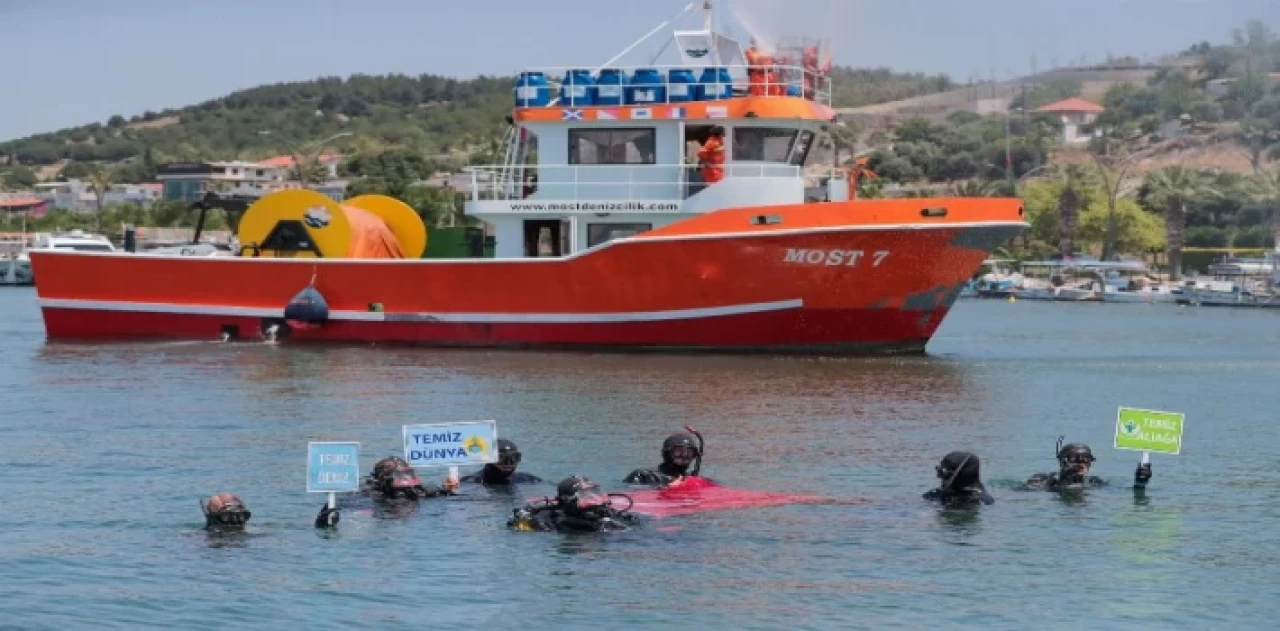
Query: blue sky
(79,61)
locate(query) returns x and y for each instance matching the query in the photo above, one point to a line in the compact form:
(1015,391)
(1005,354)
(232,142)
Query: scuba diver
(579,506)
(1074,463)
(392,480)
(678,452)
(960,474)
(504,470)
(225,512)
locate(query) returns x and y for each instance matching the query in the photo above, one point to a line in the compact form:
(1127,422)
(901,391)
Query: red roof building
(1077,116)
(1073,106)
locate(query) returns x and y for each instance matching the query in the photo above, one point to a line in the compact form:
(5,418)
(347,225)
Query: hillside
(429,115)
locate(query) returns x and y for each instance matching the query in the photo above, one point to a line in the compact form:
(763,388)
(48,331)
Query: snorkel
(697,466)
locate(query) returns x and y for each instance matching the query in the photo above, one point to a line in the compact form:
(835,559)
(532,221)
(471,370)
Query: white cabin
(590,160)
(78,240)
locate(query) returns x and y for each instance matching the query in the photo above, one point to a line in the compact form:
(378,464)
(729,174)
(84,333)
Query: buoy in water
(1012,299)
(308,308)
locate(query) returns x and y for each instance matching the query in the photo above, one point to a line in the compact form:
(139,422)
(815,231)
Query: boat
(1065,280)
(1236,283)
(606,235)
(997,280)
(1130,282)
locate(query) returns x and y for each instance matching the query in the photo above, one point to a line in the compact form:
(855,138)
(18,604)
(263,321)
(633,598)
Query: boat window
(611,146)
(763,144)
(800,152)
(598,233)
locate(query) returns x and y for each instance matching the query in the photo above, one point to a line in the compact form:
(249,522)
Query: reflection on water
(109,447)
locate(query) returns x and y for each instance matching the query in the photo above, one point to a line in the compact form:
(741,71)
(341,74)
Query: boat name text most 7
(847,258)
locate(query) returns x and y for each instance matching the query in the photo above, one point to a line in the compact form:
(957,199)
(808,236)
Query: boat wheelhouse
(597,154)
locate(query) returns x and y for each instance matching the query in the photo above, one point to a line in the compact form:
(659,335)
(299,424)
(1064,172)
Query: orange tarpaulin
(370,236)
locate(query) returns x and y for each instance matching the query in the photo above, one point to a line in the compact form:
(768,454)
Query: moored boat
(607,236)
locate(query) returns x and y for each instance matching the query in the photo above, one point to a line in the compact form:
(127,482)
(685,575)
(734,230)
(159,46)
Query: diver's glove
(1142,475)
(328,517)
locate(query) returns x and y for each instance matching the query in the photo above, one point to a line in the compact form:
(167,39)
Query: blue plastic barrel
(578,88)
(532,90)
(610,87)
(794,90)
(647,88)
(716,84)
(682,86)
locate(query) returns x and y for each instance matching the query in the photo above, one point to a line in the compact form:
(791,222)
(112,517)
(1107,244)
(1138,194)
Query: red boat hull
(834,279)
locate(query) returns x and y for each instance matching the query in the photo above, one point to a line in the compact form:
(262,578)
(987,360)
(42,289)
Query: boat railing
(608,182)
(638,86)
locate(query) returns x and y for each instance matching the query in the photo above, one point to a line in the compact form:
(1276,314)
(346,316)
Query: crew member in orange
(711,156)
(810,72)
(756,75)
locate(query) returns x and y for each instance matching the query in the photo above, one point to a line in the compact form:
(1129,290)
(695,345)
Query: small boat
(1064,280)
(1128,282)
(996,280)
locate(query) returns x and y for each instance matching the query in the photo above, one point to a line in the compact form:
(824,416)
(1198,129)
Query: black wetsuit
(492,475)
(661,476)
(368,496)
(968,496)
(1053,482)
(553,518)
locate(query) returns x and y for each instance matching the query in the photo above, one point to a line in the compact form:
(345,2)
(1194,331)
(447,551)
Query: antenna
(706,14)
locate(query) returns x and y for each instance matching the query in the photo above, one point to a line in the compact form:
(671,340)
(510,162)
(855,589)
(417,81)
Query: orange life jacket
(712,156)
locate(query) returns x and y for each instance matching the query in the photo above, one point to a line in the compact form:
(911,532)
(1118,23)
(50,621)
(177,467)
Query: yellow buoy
(305,223)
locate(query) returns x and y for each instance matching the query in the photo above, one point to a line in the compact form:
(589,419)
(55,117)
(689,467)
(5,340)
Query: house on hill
(1077,115)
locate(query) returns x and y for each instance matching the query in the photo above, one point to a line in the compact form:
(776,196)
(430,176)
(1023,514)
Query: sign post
(1148,431)
(333,467)
(451,444)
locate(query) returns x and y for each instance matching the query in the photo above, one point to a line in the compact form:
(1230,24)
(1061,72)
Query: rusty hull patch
(940,297)
(985,238)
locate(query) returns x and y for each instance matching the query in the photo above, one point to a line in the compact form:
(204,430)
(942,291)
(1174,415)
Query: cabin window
(611,146)
(800,152)
(763,144)
(598,233)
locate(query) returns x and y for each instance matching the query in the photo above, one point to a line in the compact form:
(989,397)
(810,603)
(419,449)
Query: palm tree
(1172,190)
(99,183)
(1070,201)
(973,188)
(1265,190)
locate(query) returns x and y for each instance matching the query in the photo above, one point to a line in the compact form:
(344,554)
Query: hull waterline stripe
(380,316)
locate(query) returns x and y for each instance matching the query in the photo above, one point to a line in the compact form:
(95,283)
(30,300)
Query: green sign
(1148,430)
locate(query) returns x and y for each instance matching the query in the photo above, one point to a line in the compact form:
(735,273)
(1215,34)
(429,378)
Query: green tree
(1264,189)
(99,183)
(1137,232)
(1070,201)
(76,171)
(1173,190)
(19,178)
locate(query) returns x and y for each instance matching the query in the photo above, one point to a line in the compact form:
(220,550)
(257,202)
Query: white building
(188,181)
(78,195)
(1077,115)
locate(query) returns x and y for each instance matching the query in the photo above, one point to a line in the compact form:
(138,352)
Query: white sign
(451,444)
